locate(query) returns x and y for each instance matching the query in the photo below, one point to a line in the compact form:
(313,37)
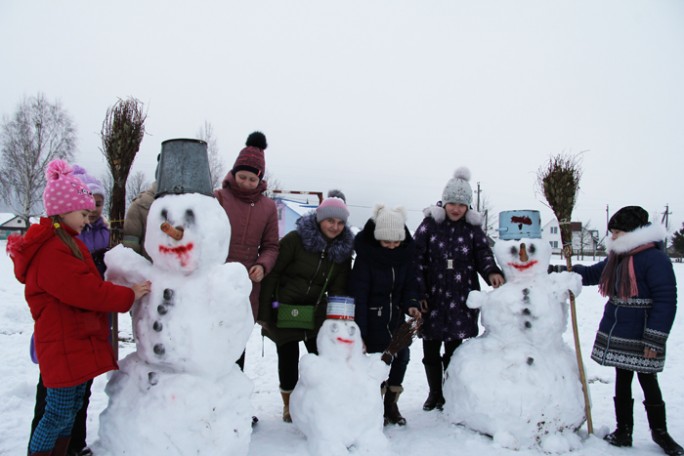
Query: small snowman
(181,392)
(337,403)
(518,382)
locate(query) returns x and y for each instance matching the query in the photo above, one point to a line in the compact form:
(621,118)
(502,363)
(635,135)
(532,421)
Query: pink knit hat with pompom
(64,192)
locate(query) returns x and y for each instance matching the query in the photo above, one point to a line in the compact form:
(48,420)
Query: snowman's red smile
(345,341)
(182,252)
(525,266)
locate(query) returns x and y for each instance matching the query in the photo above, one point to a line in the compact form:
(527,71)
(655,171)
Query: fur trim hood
(633,239)
(339,249)
(438,213)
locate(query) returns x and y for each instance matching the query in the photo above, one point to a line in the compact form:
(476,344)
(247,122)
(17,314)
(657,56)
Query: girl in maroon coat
(253,216)
(69,302)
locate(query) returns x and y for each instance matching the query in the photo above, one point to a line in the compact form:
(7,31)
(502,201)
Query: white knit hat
(458,190)
(389,223)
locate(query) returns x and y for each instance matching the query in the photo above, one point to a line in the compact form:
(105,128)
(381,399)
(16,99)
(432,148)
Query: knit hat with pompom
(251,158)
(389,223)
(332,207)
(457,190)
(93,184)
(64,192)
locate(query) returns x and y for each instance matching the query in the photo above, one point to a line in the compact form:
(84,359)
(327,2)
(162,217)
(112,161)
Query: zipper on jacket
(391,304)
(318,267)
(610,336)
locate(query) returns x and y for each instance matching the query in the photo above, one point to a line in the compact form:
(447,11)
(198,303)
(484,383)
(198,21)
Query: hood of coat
(438,213)
(249,196)
(338,250)
(633,239)
(369,248)
(22,249)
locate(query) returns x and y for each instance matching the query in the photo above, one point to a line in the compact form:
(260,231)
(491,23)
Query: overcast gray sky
(383,99)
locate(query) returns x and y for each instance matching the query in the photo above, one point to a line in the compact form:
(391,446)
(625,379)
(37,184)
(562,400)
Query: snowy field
(426,432)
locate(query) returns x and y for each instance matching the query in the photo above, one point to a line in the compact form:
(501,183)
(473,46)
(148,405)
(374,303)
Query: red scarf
(617,278)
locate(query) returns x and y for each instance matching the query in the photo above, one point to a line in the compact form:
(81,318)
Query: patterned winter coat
(69,302)
(645,319)
(96,238)
(303,264)
(383,284)
(254,229)
(449,256)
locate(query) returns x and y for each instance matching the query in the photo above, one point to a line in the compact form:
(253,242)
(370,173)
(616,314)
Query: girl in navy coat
(638,279)
(451,249)
(384,289)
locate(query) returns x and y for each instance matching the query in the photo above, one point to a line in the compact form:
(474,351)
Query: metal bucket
(519,224)
(340,307)
(184,168)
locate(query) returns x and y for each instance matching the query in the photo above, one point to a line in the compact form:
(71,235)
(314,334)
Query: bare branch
(38,133)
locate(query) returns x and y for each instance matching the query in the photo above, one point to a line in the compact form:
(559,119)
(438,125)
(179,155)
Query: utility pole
(607,219)
(666,221)
(478,197)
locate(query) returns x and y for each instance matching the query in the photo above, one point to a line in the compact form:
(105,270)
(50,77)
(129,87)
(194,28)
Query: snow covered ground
(426,432)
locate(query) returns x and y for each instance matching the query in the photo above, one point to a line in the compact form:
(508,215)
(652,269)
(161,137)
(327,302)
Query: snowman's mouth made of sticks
(345,341)
(525,266)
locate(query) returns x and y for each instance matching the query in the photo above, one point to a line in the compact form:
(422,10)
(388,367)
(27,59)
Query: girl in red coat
(69,302)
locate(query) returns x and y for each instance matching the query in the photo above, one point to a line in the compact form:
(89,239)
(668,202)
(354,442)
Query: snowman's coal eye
(514,251)
(352,330)
(532,249)
(334,328)
(165,214)
(189,217)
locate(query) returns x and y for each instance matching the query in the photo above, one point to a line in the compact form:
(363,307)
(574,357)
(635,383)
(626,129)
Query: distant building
(10,223)
(289,212)
(584,241)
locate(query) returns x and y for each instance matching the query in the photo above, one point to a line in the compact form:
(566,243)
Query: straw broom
(560,182)
(122,132)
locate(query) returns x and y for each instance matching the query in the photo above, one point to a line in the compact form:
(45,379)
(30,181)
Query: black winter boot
(392,414)
(435,399)
(624,415)
(658,425)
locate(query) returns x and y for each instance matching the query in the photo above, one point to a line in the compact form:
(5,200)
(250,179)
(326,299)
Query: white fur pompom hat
(389,223)
(458,190)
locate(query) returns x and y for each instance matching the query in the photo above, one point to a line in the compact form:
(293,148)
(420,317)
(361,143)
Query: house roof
(6,217)
(298,207)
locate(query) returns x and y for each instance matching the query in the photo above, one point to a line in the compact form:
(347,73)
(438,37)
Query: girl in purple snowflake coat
(451,249)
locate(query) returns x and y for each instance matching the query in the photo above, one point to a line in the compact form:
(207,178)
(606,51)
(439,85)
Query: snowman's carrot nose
(176,233)
(523,253)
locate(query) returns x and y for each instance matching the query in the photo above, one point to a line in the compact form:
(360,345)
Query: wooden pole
(567,251)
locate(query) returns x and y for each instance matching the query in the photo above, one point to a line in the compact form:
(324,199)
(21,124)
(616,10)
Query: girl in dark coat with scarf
(638,279)
(314,260)
(384,288)
(451,249)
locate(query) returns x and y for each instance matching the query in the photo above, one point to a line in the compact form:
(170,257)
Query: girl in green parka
(319,250)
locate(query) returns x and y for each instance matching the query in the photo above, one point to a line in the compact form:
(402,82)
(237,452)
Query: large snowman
(337,403)
(181,392)
(518,382)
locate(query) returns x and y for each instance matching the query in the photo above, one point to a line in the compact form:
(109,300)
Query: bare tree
(273,183)
(39,131)
(216,168)
(107,183)
(134,185)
